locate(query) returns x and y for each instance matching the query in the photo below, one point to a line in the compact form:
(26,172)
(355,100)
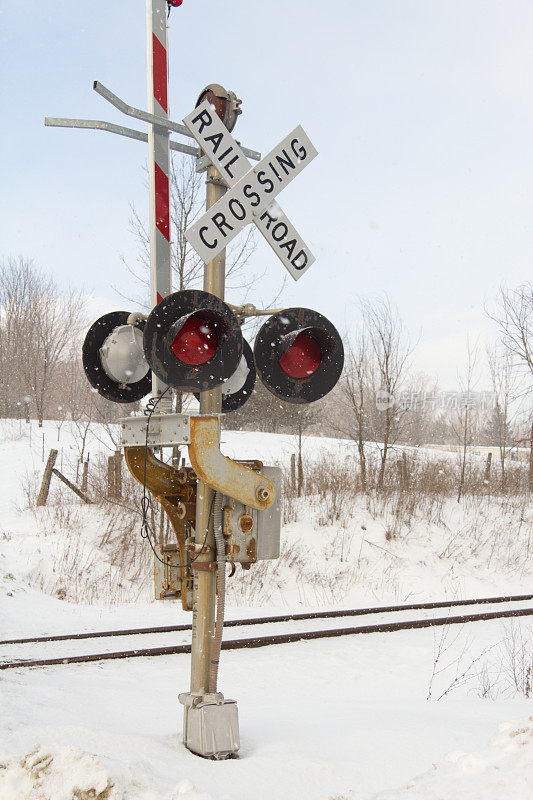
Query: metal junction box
(212,729)
(253,535)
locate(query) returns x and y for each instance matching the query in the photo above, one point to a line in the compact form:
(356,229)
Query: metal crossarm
(121,130)
(131,111)
(153,119)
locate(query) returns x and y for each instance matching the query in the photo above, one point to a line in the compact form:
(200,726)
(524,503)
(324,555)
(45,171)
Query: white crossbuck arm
(252,191)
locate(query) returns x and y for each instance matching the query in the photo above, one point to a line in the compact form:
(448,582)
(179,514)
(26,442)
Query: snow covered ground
(346,718)
(422,714)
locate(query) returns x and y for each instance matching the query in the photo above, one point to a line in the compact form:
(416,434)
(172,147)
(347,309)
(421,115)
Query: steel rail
(354,612)
(283,638)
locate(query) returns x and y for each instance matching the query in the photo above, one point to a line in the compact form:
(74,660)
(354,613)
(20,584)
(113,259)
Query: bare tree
(16,293)
(375,368)
(515,321)
(390,349)
(514,318)
(356,397)
(186,205)
(39,324)
(466,415)
(418,418)
(299,420)
(504,384)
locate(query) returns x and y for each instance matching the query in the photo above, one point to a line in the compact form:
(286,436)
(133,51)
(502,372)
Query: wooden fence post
(293,471)
(530,476)
(118,474)
(47,477)
(300,475)
(111,476)
(399,465)
(405,469)
(486,477)
(85,476)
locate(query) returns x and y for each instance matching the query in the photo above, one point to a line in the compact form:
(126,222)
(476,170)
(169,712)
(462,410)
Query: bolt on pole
(204,587)
(159,163)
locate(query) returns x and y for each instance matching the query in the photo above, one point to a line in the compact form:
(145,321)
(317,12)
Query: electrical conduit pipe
(221,591)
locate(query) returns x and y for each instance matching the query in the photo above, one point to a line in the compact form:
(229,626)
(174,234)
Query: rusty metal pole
(204,587)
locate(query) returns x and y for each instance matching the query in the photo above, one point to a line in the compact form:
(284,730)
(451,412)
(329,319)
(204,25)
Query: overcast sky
(421,112)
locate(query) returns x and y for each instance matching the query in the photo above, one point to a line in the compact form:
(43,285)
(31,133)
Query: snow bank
(66,773)
(504,769)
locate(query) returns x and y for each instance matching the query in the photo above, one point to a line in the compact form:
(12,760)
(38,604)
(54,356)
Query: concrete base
(210,725)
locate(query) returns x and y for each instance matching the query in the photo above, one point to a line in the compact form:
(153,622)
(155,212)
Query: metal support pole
(159,162)
(204,588)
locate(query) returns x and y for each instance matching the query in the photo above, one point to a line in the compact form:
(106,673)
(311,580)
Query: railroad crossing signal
(192,342)
(252,191)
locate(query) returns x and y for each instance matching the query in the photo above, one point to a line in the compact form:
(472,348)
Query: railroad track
(11,657)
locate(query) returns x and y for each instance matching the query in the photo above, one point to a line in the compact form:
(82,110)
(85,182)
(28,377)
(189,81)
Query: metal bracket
(204,566)
(100,125)
(163,122)
(131,111)
(130,133)
(202,434)
(164,430)
(162,482)
(216,181)
(249,310)
(221,473)
(204,161)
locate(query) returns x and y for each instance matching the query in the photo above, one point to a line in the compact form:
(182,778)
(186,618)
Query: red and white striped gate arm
(158,158)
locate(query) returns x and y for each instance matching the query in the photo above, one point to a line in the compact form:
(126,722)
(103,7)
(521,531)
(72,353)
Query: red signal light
(298,355)
(192,341)
(175,3)
(302,358)
(196,341)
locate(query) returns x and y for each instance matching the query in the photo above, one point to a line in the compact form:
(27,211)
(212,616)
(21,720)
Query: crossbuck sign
(251,191)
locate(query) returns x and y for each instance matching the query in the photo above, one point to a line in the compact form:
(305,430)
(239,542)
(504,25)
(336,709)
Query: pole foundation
(210,725)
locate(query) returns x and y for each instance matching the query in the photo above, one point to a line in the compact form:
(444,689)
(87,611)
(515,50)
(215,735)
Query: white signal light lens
(122,355)
(236,381)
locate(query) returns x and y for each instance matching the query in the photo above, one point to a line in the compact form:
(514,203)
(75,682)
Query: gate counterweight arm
(162,481)
(222,474)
